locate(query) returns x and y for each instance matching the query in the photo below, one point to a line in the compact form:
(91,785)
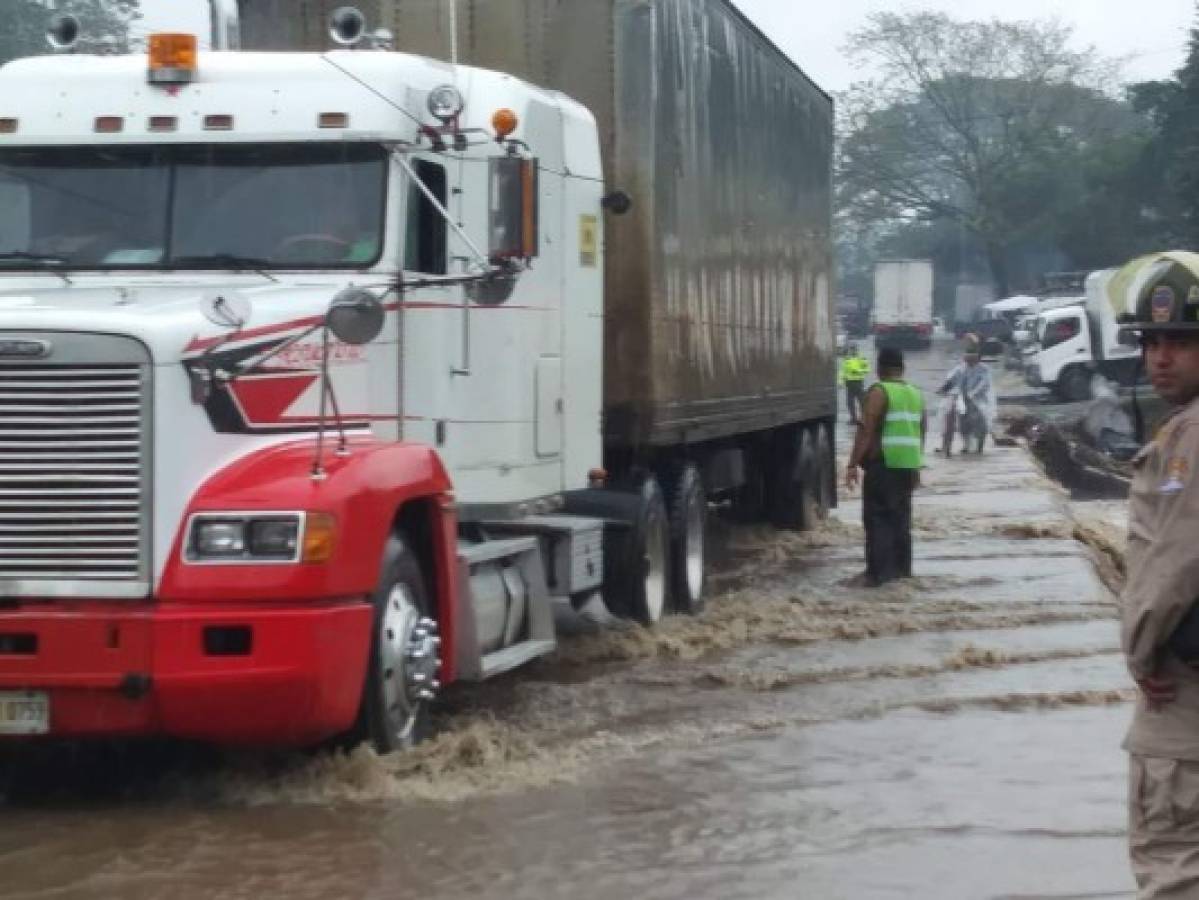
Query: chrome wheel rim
(409,660)
(655,570)
(695,546)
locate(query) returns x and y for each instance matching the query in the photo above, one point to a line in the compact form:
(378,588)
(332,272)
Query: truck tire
(1074,384)
(401,679)
(796,482)
(637,564)
(688,545)
(826,471)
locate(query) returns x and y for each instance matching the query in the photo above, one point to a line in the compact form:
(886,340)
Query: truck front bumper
(230,674)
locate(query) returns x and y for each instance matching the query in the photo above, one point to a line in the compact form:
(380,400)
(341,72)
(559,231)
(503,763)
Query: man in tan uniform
(1160,635)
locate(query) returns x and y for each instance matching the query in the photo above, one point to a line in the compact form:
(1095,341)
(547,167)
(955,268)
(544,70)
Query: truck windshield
(192,206)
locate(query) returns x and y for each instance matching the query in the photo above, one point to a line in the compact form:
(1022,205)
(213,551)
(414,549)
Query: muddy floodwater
(953,736)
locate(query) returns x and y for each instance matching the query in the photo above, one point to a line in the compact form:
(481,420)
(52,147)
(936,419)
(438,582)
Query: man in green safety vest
(889,447)
(854,370)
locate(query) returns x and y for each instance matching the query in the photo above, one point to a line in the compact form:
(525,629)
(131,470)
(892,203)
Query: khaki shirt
(1163,583)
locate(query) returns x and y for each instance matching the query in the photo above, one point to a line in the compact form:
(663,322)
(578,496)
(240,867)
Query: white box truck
(903,302)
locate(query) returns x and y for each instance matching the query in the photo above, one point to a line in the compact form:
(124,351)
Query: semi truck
(903,303)
(331,377)
(1082,339)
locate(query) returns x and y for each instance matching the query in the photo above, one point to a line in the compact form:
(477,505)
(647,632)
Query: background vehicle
(1079,340)
(903,302)
(855,312)
(968,301)
(376,373)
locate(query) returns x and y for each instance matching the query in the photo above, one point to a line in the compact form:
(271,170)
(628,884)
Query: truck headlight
(249,537)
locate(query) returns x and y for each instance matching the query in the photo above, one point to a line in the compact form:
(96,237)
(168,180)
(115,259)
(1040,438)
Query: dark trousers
(853,400)
(887,518)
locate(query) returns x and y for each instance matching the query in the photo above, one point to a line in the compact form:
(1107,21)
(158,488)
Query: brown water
(954,736)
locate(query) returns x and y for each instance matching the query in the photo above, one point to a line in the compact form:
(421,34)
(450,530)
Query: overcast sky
(1150,35)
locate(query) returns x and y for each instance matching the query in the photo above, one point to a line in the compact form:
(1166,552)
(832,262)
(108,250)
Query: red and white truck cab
(254,309)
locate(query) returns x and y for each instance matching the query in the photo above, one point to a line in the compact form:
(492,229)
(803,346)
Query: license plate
(24,712)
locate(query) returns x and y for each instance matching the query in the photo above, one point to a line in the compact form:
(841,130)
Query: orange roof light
(172,58)
(109,124)
(504,121)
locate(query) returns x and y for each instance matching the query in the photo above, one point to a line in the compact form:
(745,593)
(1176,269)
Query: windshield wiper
(221,260)
(224,261)
(52,262)
(24,256)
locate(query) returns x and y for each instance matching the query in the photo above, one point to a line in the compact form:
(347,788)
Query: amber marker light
(8,126)
(333,120)
(320,537)
(172,58)
(504,121)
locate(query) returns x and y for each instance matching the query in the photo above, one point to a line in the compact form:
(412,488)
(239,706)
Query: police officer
(889,447)
(1160,633)
(854,369)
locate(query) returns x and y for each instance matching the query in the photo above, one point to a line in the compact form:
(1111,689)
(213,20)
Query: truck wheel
(637,567)
(1074,384)
(796,480)
(826,472)
(688,525)
(401,679)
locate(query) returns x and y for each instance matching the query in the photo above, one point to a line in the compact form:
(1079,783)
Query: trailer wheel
(637,567)
(796,481)
(825,472)
(688,526)
(1074,384)
(401,680)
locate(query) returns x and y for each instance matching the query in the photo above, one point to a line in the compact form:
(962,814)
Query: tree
(979,124)
(104,25)
(1170,163)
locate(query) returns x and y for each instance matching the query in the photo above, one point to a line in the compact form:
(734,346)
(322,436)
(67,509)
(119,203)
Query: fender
(362,490)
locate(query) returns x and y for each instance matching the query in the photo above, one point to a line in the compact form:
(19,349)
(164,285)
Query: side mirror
(514,198)
(355,316)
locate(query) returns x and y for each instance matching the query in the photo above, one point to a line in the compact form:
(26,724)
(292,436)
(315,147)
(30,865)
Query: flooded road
(954,736)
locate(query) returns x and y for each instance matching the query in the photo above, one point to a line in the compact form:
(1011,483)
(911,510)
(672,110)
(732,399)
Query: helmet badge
(1161,303)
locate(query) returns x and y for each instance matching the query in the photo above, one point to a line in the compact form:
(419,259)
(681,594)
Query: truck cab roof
(240,97)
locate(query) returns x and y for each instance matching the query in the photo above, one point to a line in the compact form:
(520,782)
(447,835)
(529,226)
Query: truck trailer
(332,376)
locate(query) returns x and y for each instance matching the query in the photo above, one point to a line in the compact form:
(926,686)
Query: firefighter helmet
(1165,296)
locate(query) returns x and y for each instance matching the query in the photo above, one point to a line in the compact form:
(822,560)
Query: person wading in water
(889,447)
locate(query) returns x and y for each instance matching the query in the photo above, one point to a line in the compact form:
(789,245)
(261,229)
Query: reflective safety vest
(901,427)
(854,368)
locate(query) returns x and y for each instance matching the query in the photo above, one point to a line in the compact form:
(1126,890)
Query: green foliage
(104,26)
(1170,162)
(988,141)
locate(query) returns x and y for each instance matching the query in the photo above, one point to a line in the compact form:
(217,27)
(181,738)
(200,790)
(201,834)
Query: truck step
(511,657)
(488,551)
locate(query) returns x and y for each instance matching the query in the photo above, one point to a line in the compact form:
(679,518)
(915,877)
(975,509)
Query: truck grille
(72,478)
